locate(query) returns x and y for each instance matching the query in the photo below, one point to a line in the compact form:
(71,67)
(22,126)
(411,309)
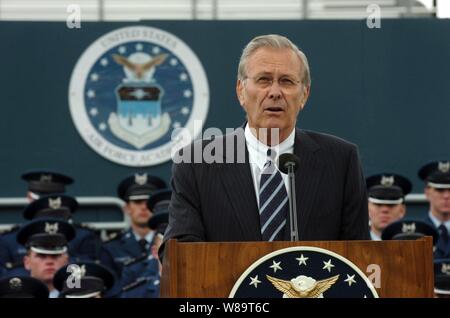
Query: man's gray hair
(273,41)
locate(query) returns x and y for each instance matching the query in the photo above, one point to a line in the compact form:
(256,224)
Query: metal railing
(134,10)
(411,199)
(83,201)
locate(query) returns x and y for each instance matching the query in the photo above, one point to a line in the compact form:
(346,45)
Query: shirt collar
(437,223)
(54,293)
(258,151)
(148,237)
(374,237)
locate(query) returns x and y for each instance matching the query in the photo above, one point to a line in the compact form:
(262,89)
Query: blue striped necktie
(273,201)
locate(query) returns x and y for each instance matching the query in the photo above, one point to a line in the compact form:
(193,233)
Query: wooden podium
(211,269)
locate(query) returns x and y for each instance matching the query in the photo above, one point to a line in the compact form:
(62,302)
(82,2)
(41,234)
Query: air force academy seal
(303,272)
(131,88)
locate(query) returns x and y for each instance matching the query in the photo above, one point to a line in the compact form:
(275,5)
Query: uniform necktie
(144,245)
(442,243)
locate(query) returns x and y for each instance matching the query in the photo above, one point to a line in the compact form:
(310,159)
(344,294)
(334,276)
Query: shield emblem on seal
(139,107)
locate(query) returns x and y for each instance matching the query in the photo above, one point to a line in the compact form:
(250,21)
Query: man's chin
(142,225)
(48,276)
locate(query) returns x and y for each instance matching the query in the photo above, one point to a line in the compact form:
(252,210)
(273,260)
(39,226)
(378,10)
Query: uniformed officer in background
(386,193)
(39,183)
(141,276)
(136,241)
(87,244)
(46,242)
(437,190)
(83,280)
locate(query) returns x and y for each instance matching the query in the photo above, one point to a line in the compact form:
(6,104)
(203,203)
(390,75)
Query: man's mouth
(274,109)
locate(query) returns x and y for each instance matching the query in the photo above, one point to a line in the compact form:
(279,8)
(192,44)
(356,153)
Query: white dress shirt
(257,153)
(374,237)
(148,237)
(54,293)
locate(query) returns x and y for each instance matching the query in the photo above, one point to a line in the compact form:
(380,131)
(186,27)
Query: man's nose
(275,91)
(385,209)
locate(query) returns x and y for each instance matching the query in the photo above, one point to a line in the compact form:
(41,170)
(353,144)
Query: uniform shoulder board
(135,260)
(12,265)
(138,282)
(12,229)
(83,226)
(114,236)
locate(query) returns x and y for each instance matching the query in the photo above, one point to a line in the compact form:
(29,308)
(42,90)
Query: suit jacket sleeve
(185,220)
(355,217)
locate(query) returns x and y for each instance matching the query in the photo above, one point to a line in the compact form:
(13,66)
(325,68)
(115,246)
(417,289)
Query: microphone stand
(292,203)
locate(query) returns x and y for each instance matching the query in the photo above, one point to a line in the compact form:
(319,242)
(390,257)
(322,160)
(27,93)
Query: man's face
(381,215)
(439,201)
(275,105)
(43,266)
(138,212)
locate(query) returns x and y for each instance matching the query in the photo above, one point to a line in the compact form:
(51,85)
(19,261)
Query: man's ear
(26,262)
(427,192)
(305,96)
(240,92)
(403,211)
(126,209)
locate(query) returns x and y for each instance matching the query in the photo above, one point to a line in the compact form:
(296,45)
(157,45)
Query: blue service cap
(22,287)
(94,280)
(388,188)
(409,230)
(159,205)
(46,235)
(57,206)
(46,181)
(442,276)
(436,174)
(139,187)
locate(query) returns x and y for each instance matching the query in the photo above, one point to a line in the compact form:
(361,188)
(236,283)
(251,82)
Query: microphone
(286,160)
(288,164)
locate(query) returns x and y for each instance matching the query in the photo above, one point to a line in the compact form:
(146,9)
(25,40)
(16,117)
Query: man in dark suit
(241,195)
(437,190)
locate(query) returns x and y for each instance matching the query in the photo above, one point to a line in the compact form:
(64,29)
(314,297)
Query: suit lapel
(238,184)
(307,179)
